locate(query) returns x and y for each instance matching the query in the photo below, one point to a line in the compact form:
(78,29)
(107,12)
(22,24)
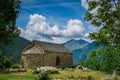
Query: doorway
(58,61)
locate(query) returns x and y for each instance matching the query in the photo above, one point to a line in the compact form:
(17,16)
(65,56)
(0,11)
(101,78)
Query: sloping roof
(33,51)
(52,47)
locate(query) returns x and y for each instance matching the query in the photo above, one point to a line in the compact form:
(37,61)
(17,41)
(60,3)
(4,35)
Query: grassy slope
(64,74)
(77,73)
(18,76)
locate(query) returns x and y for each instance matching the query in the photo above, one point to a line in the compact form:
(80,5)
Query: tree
(111,60)
(92,61)
(105,14)
(9,11)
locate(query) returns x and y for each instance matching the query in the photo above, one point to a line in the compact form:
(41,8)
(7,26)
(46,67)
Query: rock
(37,71)
(22,70)
(79,67)
(47,68)
(85,69)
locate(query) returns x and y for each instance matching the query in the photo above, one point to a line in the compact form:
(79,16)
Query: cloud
(86,35)
(84,3)
(39,29)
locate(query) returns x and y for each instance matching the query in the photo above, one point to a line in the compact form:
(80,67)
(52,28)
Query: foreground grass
(63,74)
(18,76)
(76,74)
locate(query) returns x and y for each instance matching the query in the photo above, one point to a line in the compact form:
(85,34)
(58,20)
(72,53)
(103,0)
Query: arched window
(58,62)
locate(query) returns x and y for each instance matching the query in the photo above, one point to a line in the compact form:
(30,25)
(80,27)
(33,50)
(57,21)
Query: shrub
(16,66)
(5,62)
(34,68)
(43,76)
(89,78)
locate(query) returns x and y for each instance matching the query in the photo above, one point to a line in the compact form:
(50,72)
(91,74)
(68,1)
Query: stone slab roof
(53,47)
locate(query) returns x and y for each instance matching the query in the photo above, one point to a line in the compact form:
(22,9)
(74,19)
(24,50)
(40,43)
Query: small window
(58,62)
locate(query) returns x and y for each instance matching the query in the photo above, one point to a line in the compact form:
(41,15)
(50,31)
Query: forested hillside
(14,49)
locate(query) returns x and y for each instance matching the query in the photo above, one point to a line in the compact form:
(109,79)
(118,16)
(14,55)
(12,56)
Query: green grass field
(17,75)
(63,74)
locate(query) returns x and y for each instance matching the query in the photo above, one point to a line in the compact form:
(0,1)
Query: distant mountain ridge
(75,44)
(81,50)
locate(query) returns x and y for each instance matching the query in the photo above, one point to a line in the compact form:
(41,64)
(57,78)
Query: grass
(17,75)
(76,74)
(63,74)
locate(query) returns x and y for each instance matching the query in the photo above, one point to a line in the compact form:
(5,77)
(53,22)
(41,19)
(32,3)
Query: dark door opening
(58,61)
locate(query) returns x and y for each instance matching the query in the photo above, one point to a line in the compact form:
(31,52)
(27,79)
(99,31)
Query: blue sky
(54,20)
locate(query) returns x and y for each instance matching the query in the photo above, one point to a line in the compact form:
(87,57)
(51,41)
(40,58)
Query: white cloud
(84,3)
(86,35)
(73,28)
(39,29)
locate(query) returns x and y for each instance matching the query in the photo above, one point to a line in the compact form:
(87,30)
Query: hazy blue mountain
(14,49)
(83,52)
(75,44)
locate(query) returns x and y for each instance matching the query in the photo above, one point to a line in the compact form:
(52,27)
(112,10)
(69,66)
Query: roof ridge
(52,46)
(45,42)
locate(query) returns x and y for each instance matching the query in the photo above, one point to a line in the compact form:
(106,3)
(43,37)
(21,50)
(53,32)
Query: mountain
(14,49)
(83,52)
(75,44)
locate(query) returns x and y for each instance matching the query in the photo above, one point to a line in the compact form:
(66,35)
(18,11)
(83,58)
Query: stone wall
(47,59)
(32,60)
(65,59)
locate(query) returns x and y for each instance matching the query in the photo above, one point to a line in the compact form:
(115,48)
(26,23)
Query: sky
(54,21)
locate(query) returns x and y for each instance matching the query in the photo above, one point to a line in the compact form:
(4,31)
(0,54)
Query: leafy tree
(92,61)
(81,62)
(105,14)
(111,60)
(9,11)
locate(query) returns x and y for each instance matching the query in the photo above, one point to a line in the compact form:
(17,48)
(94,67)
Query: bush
(89,78)
(5,62)
(16,66)
(34,68)
(43,76)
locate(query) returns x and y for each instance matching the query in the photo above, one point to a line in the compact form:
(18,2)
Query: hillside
(80,49)
(83,52)
(14,49)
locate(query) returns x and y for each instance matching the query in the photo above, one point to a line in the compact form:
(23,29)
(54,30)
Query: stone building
(38,53)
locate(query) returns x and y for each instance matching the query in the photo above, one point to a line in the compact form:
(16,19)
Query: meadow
(63,75)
